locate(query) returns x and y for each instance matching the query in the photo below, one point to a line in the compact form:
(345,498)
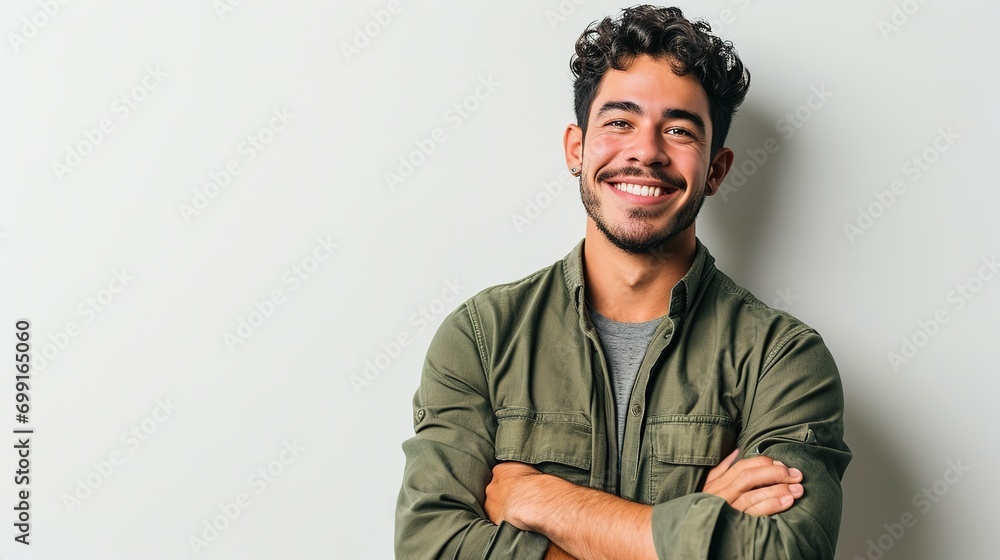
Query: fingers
(750,474)
(765,475)
(769,500)
(722,467)
(758,486)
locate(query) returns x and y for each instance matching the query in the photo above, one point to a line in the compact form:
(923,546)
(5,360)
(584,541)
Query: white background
(197,274)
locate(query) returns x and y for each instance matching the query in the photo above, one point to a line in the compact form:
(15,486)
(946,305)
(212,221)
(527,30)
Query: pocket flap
(692,439)
(533,437)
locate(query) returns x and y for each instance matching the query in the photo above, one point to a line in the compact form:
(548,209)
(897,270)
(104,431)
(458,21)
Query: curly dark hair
(661,33)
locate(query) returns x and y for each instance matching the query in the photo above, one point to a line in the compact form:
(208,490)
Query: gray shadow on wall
(742,208)
(879,490)
(878,486)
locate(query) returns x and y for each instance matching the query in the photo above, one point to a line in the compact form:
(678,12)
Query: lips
(640,190)
(640,182)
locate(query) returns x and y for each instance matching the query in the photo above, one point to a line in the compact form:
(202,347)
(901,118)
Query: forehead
(652,84)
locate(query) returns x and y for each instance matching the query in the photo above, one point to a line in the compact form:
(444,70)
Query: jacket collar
(681,296)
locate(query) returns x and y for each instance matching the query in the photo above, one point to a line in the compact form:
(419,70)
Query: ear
(718,169)
(573,145)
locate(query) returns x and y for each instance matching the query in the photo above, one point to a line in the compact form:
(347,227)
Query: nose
(647,148)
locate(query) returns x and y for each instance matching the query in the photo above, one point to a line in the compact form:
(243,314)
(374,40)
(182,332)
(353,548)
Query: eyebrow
(634,108)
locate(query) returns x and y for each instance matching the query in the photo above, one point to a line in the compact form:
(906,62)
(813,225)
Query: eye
(618,124)
(679,132)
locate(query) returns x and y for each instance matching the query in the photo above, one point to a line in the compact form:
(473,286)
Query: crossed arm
(584,524)
(457,502)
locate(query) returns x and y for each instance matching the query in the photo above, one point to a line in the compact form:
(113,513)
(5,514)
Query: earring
(575,172)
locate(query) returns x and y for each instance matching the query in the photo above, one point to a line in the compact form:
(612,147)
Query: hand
(507,491)
(580,522)
(758,486)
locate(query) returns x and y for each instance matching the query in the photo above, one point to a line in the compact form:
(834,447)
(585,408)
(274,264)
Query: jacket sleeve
(794,414)
(449,460)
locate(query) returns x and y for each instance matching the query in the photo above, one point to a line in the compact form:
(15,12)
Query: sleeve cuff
(682,528)
(511,542)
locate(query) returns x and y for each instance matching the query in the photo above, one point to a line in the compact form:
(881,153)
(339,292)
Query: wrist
(540,501)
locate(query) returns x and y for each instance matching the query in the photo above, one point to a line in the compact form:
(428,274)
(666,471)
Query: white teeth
(641,190)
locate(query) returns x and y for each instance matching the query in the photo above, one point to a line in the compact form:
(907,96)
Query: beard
(636,235)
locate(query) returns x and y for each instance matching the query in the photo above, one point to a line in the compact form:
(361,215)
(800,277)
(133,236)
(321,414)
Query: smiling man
(630,401)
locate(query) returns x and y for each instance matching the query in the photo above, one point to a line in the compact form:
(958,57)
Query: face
(645,161)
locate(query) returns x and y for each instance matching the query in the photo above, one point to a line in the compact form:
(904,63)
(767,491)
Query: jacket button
(420,415)
(636,410)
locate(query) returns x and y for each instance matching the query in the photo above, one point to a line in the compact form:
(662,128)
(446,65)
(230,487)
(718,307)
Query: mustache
(661,175)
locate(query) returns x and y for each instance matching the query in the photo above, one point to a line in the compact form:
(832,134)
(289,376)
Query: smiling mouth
(641,190)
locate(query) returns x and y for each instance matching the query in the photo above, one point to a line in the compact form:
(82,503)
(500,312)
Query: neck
(634,288)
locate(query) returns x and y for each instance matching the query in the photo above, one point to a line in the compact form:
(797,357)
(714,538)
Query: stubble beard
(637,236)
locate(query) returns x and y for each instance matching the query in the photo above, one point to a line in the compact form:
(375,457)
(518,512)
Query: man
(630,401)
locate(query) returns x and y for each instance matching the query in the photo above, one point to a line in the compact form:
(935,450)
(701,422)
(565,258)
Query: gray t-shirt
(624,346)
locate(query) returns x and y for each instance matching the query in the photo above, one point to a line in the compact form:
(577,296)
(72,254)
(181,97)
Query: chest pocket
(683,449)
(556,443)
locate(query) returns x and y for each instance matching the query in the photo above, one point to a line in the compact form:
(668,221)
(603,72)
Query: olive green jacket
(517,373)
